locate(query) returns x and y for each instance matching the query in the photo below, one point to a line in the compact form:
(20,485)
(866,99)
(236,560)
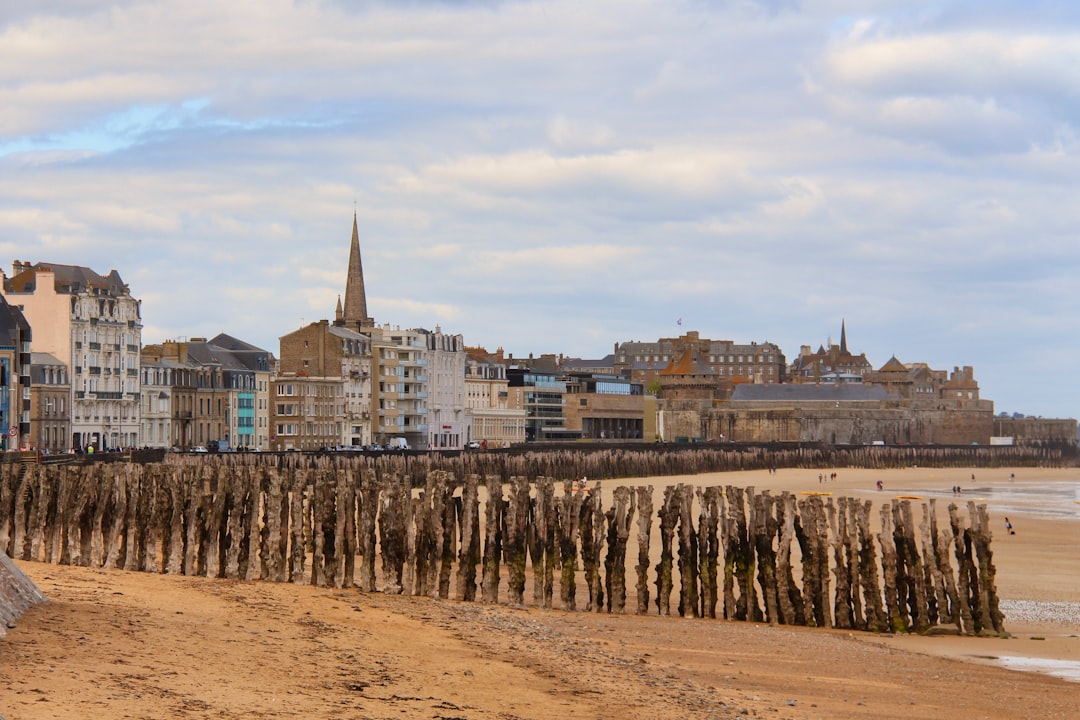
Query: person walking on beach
(1009,527)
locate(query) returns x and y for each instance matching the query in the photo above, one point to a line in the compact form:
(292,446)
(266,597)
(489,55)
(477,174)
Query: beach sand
(114,644)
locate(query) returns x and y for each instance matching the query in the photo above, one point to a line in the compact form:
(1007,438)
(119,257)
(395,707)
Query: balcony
(94,345)
(95,370)
(107,395)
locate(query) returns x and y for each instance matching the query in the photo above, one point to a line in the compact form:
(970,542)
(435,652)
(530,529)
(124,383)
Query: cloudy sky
(558,176)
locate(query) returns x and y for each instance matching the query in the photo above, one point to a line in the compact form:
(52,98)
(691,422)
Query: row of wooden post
(736,553)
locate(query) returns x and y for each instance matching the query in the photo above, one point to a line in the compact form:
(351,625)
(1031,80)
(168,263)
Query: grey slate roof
(810,392)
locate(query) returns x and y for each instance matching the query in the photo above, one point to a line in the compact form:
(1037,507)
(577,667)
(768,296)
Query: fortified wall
(834,423)
(1035,430)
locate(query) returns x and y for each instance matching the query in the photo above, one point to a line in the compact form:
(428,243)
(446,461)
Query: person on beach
(880,485)
(1009,527)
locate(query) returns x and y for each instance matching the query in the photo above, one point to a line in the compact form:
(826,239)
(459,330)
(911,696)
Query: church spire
(843,337)
(355,311)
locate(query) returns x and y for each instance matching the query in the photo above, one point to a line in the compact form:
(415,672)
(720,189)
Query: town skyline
(558,177)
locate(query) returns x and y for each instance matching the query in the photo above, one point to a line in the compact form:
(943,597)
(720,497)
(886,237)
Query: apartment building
(50,393)
(332,354)
(15,364)
(492,421)
(93,324)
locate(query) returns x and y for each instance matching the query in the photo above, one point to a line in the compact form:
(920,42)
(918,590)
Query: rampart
(720,551)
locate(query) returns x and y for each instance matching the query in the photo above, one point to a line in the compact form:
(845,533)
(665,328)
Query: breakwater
(400,525)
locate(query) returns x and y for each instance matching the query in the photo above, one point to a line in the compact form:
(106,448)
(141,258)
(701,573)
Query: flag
(679,321)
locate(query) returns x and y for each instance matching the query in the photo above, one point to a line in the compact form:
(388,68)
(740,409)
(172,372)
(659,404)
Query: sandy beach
(114,644)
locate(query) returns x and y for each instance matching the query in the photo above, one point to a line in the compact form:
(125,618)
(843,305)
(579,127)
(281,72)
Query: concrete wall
(17,593)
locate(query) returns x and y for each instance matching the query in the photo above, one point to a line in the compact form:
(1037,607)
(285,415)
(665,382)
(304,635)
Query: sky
(558,176)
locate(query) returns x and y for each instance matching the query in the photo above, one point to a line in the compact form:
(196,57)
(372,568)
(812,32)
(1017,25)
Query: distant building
(492,420)
(541,394)
(50,397)
(93,324)
(601,406)
(202,391)
(15,365)
(730,363)
(834,363)
(334,354)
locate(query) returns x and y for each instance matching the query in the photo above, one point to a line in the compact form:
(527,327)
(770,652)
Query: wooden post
(370,489)
(789,598)
(469,555)
(619,517)
(887,541)
(708,528)
(592,544)
(493,521)
(517,521)
(842,605)
(669,516)
(569,521)
(644,527)
(689,598)
(764,530)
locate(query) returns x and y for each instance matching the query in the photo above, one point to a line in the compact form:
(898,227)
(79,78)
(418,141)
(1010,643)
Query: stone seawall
(17,593)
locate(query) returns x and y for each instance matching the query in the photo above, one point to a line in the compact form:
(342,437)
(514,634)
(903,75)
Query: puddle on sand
(1065,669)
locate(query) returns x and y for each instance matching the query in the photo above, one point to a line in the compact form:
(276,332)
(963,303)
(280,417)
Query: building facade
(50,393)
(15,367)
(92,323)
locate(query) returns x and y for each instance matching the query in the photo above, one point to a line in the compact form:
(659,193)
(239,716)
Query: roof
(809,392)
(688,364)
(68,279)
(43,358)
(893,365)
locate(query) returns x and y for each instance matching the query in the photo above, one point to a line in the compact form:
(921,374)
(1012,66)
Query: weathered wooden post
(370,488)
(469,555)
(569,520)
(493,550)
(896,619)
(669,517)
(842,605)
(517,521)
(991,617)
(393,528)
(592,544)
(688,555)
(619,517)
(876,619)
(764,532)
(543,551)
(644,527)
(708,529)
(789,598)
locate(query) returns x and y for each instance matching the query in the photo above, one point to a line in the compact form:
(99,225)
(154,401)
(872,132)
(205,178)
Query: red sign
(13,431)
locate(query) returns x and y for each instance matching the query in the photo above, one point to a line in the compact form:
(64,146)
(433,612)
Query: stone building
(448,421)
(50,394)
(491,419)
(93,324)
(306,413)
(210,389)
(599,406)
(730,362)
(830,363)
(334,353)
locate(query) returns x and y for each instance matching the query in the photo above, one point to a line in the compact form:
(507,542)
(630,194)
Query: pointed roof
(894,365)
(355,308)
(843,337)
(688,364)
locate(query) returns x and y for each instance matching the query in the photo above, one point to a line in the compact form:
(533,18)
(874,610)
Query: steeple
(338,312)
(843,333)
(355,311)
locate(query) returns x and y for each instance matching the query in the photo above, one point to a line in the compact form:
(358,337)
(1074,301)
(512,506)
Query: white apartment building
(93,323)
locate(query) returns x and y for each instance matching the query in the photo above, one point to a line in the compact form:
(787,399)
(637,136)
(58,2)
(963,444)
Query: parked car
(198,449)
(472,445)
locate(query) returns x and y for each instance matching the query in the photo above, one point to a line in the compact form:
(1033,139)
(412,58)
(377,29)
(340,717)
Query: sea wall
(17,593)
(721,551)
